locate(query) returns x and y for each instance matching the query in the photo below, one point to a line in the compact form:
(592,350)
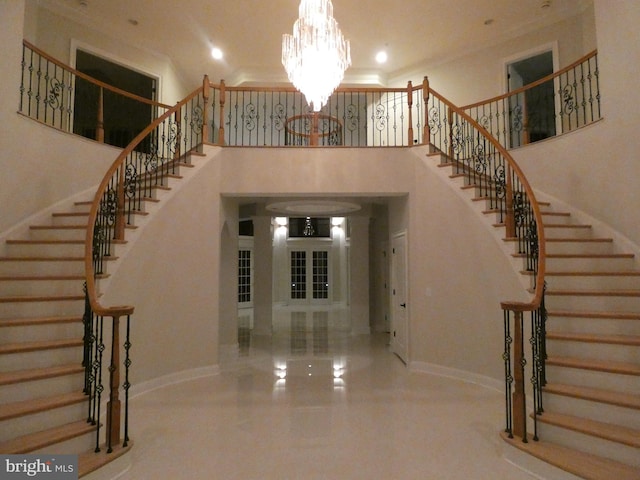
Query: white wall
(35,158)
(481,74)
(56,35)
(596,169)
(181,272)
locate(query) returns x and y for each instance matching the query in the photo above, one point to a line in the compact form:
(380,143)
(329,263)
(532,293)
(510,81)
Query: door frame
(401,350)
(532,52)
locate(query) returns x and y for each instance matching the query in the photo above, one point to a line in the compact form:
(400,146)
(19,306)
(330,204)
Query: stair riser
(75,267)
(40,309)
(595,351)
(41,332)
(567,232)
(69,219)
(593,379)
(593,325)
(593,303)
(589,444)
(592,248)
(601,412)
(16,427)
(41,359)
(82,443)
(589,264)
(42,287)
(57,234)
(35,389)
(45,249)
(592,282)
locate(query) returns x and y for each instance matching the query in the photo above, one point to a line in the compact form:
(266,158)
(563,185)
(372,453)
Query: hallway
(313,402)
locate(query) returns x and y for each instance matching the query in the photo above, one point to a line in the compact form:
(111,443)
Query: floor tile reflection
(314,402)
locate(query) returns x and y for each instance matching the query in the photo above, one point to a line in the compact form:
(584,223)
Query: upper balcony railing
(69,100)
(554,105)
(280,116)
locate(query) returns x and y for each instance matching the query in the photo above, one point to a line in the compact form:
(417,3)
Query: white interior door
(399,307)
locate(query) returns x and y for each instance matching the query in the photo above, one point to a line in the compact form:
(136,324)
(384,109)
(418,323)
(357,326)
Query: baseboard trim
(462,375)
(171,379)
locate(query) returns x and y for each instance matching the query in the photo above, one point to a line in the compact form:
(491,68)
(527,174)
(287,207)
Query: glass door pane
(298,275)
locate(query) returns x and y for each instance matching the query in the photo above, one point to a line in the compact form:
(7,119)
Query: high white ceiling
(413,32)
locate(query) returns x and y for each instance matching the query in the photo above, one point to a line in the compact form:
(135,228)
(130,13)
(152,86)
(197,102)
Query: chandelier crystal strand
(317,54)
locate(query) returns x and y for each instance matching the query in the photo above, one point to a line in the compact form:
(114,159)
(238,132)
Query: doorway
(399,314)
(532,112)
(124,118)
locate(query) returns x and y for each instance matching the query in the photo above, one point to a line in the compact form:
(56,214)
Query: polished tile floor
(311,402)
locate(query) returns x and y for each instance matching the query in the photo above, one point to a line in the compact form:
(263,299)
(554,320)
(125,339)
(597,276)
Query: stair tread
(593,314)
(595,338)
(24,347)
(49,258)
(44,242)
(595,394)
(622,368)
(58,227)
(579,240)
(40,298)
(16,322)
(18,376)
(91,461)
(70,214)
(619,273)
(19,278)
(595,293)
(35,441)
(607,431)
(590,255)
(566,225)
(585,465)
(36,405)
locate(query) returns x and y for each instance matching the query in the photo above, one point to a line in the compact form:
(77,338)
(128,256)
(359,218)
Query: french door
(309,276)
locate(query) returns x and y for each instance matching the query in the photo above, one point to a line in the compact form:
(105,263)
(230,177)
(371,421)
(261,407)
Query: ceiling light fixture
(316,55)
(216,53)
(381,56)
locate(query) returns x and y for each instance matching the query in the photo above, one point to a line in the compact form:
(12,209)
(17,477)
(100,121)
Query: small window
(309,227)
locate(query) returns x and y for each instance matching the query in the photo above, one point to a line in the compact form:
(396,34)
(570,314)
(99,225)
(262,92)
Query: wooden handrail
(535,302)
(529,86)
(96,306)
(93,80)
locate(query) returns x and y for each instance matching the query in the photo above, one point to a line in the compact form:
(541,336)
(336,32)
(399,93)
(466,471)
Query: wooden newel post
(100,119)
(113,405)
(205,96)
(410,102)
(519,398)
(221,128)
(426,137)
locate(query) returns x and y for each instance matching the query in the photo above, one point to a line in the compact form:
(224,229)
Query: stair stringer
(154,209)
(434,162)
(622,243)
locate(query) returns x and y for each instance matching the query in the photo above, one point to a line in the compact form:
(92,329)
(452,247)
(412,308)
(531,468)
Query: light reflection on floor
(312,401)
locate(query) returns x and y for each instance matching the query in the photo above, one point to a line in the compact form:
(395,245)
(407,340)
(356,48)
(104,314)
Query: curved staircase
(590,426)
(43,408)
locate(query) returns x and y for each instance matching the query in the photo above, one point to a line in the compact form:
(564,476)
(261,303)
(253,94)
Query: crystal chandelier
(317,54)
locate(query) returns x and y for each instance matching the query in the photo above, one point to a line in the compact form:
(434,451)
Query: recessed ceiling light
(381,56)
(216,53)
